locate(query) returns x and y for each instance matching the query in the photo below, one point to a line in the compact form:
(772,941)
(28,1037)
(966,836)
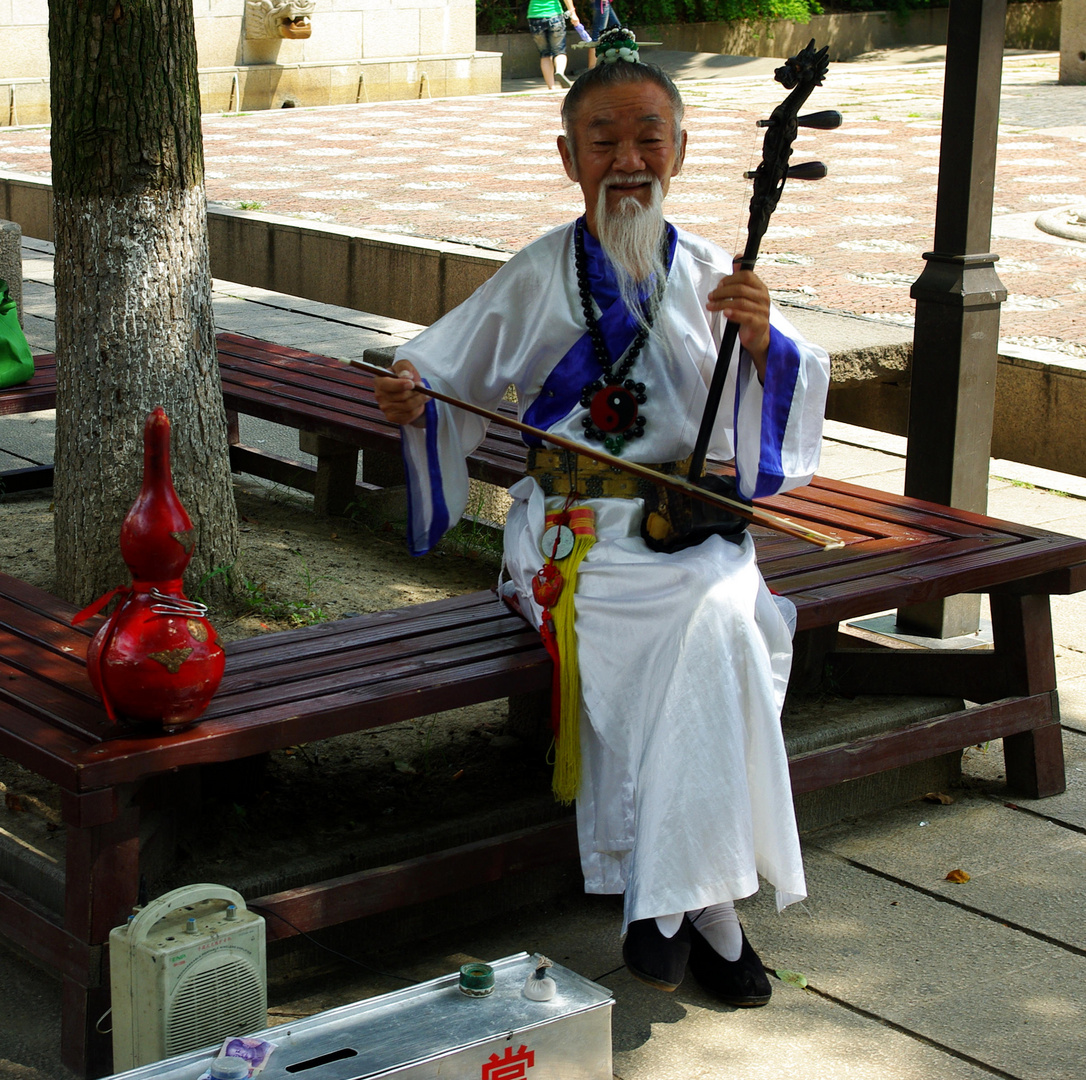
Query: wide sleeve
(778,426)
(474,353)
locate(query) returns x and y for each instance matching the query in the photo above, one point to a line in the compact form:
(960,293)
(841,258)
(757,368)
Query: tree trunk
(133,286)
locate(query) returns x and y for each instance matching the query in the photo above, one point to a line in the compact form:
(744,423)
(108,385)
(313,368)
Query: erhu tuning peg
(809,170)
(826,120)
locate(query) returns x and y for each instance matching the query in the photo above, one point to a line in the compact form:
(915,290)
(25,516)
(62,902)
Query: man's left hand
(743,298)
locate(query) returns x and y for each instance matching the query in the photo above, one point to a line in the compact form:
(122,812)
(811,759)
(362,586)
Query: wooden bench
(329,403)
(372,670)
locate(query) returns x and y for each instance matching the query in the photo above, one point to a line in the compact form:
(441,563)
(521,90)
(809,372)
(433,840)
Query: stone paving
(484,171)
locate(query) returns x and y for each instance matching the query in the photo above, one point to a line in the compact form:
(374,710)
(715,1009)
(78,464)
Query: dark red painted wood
(384,888)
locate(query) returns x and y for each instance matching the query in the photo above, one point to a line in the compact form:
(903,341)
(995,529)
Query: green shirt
(544,9)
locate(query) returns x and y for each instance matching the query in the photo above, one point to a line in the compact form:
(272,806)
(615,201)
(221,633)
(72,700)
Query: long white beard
(632,238)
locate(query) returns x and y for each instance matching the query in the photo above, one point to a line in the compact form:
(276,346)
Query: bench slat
(296,680)
(38,393)
(405,620)
(976,571)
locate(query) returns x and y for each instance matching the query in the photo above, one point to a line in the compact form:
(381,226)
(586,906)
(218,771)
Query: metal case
(432,1031)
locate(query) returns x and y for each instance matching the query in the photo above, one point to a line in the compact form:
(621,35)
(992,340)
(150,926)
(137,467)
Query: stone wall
(1029,26)
(358,50)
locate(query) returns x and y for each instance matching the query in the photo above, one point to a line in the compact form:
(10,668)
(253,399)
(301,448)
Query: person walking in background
(547,22)
(603,18)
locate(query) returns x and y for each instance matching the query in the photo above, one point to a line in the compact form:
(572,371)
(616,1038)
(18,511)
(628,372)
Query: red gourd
(156,658)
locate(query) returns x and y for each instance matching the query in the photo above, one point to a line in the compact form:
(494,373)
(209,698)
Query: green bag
(16,363)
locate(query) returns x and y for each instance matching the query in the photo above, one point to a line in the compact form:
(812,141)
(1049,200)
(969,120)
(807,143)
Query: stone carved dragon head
(278,18)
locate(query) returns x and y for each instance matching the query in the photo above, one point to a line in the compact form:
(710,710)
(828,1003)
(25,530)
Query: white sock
(719,925)
(668,925)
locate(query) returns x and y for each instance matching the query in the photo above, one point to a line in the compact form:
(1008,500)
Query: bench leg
(337,467)
(101,886)
(1034,759)
(1022,626)
(382,469)
(233,431)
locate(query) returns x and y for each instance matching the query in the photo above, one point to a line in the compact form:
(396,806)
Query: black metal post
(957,300)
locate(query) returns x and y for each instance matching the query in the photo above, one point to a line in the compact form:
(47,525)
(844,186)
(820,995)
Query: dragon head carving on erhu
(800,74)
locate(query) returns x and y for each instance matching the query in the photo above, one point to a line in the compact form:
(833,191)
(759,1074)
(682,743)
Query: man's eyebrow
(606,121)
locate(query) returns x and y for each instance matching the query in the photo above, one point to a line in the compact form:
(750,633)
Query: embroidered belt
(560,472)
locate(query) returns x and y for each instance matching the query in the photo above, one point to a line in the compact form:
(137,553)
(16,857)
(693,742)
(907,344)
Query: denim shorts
(603,18)
(549,35)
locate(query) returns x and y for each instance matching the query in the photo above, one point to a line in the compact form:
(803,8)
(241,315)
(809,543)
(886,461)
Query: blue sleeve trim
(439,520)
(782,372)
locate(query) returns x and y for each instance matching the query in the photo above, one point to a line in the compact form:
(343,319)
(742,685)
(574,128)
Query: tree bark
(135,327)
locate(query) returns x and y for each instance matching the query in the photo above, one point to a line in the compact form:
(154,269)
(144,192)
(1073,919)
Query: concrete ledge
(401,277)
(314,83)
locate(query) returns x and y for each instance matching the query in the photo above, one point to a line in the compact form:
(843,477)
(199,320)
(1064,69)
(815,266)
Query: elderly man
(609,329)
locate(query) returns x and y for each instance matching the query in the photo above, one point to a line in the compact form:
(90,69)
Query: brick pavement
(484,171)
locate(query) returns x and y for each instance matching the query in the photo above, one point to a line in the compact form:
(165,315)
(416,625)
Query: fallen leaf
(456,775)
(793,978)
(959,877)
(405,767)
(939,797)
(14,803)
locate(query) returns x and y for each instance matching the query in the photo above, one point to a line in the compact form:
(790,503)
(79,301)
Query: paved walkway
(484,171)
(910,977)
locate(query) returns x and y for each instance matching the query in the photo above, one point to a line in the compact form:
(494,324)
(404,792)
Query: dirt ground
(341,797)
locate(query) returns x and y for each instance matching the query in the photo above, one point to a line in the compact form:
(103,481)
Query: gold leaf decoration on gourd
(171,659)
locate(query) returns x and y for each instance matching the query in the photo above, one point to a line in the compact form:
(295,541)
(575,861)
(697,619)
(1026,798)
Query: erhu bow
(755,515)
(800,74)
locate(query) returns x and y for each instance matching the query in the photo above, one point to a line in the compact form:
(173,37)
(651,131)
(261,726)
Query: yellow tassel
(567,761)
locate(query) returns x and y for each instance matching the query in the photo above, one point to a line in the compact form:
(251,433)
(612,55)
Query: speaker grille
(213,1001)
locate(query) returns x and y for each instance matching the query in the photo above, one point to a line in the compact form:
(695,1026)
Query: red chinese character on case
(509,1066)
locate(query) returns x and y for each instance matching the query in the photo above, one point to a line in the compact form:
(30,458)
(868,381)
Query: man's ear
(681,155)
(567,158)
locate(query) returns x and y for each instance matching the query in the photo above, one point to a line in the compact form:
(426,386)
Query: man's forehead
(644,103)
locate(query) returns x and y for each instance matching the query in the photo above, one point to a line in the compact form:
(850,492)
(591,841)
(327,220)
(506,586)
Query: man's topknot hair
(616,74)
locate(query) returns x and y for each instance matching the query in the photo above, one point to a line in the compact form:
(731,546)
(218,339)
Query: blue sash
(561,393)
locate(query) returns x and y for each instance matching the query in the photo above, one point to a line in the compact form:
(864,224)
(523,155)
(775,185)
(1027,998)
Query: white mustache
(630,179)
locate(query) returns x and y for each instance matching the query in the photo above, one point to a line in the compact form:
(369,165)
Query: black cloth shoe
(560,77)
(742,983)
(653,958)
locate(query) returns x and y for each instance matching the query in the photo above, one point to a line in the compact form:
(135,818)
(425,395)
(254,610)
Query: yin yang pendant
(613,414)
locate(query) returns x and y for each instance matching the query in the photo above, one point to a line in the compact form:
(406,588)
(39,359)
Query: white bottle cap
(229,1068)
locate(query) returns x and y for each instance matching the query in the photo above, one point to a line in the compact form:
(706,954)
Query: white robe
(684,658)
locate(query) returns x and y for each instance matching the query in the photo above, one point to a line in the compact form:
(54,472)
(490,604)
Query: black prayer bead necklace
(612,400)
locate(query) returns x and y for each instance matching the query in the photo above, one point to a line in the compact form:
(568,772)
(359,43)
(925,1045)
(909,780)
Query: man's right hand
(396,394)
